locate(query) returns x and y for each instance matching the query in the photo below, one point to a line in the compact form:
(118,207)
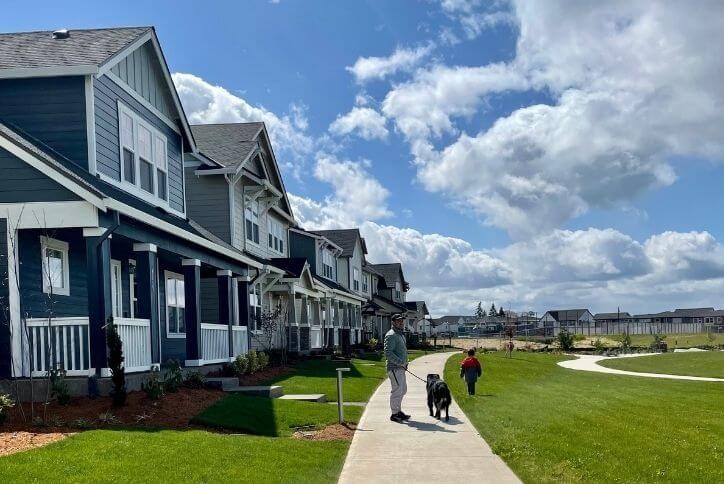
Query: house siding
(238,216)
(51,110)
(209,300)
(106,96)
(303,246)
(142,72)
(5,337)
(37,304)
(21,182)
(356,262)
(209,203)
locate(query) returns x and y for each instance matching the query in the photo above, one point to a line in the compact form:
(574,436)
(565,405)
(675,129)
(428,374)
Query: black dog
(438,394)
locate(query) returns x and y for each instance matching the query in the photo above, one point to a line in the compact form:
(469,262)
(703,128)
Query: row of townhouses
(112,205)
(585,322)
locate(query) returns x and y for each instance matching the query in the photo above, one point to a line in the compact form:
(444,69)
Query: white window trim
(63,248)
(131,290)
(166,276)
(355,279)
(260,304)
(135,188)
(276,230)
(117,306)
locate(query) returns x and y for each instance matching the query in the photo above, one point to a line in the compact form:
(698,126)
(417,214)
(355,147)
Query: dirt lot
(492,344)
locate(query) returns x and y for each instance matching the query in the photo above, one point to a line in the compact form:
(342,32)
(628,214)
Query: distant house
(449,324)
(565,319)
(709,316)
(608,318)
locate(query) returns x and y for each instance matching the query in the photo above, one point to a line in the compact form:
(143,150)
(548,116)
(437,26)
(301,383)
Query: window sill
(176,335)
(57,291)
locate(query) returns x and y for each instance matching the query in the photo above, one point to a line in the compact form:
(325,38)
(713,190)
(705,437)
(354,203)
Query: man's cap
(397,317)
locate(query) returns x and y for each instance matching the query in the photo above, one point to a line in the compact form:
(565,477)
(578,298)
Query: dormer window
(365,282)
(398,289)
(144,154)
(276,235)
(328,264)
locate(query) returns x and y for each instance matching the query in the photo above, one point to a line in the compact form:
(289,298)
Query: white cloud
(363,121)
(632,85)
(403,59)
(206,103)
(357,196)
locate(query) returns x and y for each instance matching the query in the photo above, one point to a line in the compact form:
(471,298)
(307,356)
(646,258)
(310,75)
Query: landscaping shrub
(153,386)
(59,387)
(240,365)
(81,423)
(658,343)
(115,363)
(174,376)
(263,360)
(253,362)
(372,344)
(599,346)
(578,337)
(107,418)
(625,341)
(6,403)
(565,340)
(195,379)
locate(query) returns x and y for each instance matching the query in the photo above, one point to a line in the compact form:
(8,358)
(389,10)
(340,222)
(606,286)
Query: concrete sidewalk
(423,450)
(590,363)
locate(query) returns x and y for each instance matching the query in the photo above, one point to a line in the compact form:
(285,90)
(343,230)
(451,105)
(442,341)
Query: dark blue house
(93,212)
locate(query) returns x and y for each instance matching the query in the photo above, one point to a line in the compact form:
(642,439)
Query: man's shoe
(395,417)
(403,415)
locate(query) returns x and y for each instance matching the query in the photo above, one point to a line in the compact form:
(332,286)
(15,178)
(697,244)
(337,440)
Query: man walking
(396,355)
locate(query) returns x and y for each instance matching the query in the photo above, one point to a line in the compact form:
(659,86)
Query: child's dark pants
(471,388)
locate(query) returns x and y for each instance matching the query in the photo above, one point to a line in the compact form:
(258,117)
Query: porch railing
(315,338)
(241,340)
(64,344)
(214,343)
(136,337)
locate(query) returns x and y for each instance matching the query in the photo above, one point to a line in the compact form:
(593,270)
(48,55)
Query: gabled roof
(84,47)
(387,304)
(368,267)
(611,315)
(229,144)
(417,306)
(345,238)
(390,272)
(294,266)
(567,314)
(450,319)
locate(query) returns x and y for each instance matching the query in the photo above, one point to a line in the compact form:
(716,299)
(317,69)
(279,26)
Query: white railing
(316,338)
(65,344)
(214,343)
(136,337)
(240,339)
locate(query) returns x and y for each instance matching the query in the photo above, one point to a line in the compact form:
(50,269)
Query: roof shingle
(228,144)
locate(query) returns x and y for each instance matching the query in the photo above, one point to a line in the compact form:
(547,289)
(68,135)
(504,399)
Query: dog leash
(411,373)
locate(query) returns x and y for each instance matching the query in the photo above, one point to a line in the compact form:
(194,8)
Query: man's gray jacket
(395,349)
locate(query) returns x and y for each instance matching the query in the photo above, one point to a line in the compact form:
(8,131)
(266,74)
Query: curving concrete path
(590,363)
(423,450)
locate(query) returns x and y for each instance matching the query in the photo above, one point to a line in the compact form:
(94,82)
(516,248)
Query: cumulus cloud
(632,86)
(357,196)
(402,59)
(363,121)
(206,103)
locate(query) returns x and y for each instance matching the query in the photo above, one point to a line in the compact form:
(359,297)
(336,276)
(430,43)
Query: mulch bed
(174,411)
(330,432)
(265,375)
(12,442)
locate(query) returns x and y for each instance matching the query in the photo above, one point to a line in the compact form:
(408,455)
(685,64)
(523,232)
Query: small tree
(115,363)
(565,340)
(501,313)
(492,310)
(625,341)
(479,311)
(273,324)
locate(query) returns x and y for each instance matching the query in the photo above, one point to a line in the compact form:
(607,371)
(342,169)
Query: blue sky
(535,157)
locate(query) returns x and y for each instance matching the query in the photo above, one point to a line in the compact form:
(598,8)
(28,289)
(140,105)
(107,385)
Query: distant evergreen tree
(492,311)
(479,311)
(501,313)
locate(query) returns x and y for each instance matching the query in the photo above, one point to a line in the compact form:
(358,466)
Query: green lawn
(270,416)
(173,456)
(677,340)
(704,363)
(551,424)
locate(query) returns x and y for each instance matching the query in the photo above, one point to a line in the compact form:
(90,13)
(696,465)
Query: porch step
(223,383)
(273,391)
(314,397)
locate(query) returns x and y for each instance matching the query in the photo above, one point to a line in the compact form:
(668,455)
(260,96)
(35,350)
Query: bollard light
(340,402)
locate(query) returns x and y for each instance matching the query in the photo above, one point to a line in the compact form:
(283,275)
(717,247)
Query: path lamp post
(340,401)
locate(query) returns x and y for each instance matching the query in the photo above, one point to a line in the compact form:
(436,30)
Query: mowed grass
(173,456)
(551,424)
(700,363)
(678,340)
(271,416)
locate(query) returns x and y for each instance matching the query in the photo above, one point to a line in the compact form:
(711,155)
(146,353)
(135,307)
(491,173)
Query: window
(175,306)
(144,155)
(255,307)
(355,278)
(251,215)
(276,235)
(55,266)
(328,264)
(365,282)
(397,290)
(116,289)
(133,287)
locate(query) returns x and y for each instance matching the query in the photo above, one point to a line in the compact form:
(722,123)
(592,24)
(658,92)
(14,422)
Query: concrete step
(314,397)
(273,391)
(223,383)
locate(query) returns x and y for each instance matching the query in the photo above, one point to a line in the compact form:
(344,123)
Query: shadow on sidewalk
(428,427)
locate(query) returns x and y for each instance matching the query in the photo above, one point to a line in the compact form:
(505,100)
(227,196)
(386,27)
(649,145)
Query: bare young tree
(272,324)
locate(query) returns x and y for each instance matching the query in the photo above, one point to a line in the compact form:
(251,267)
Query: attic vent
(61,34)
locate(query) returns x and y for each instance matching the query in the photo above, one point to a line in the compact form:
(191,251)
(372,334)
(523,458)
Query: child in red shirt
(471,370)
